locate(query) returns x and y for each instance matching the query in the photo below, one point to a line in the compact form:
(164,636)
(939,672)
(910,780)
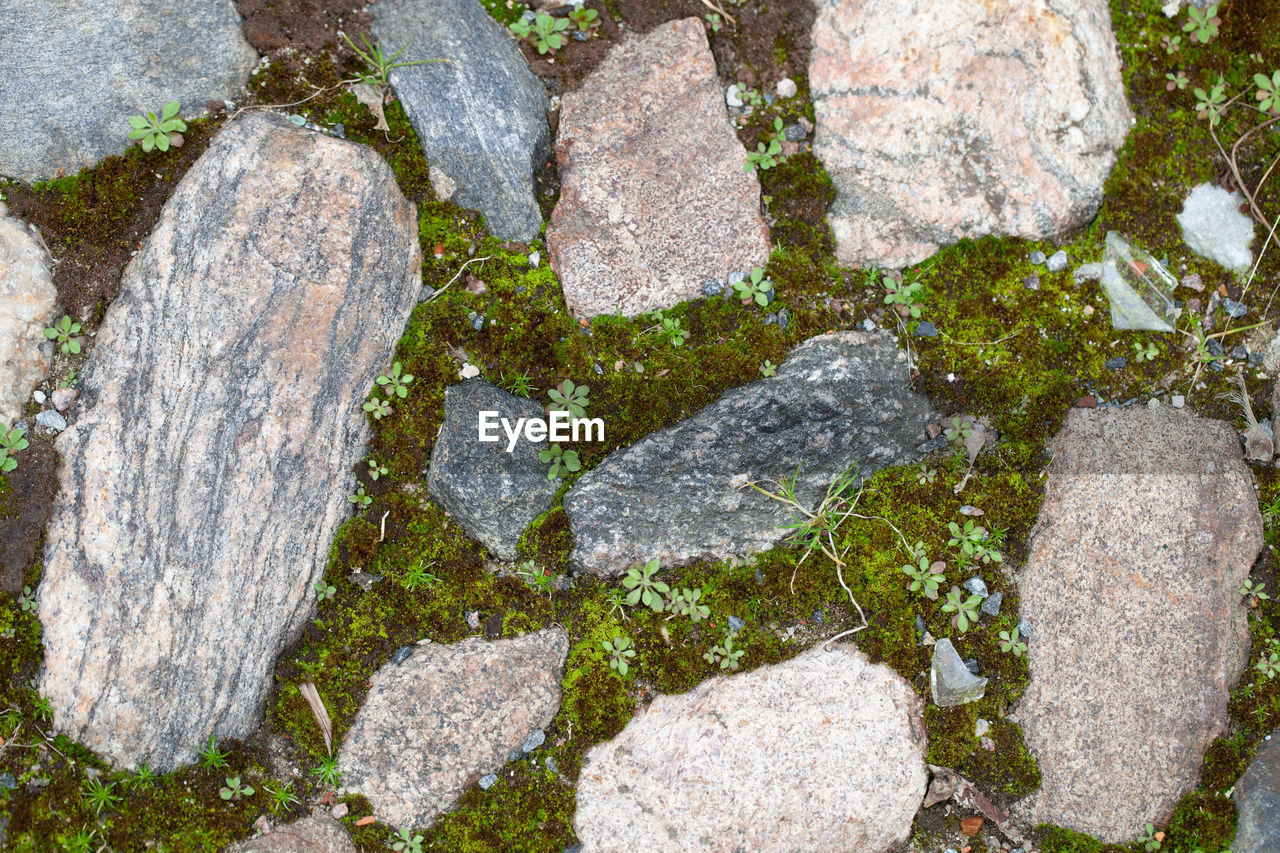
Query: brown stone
(436,722)
(220,419)
(1149,527)
(824,752)
(941,121)
(654,199)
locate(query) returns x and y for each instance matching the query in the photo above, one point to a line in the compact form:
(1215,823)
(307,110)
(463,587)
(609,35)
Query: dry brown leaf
(318,710)
(371,97)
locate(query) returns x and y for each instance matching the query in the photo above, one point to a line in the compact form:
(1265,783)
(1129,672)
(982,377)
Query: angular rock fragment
(70,78)
(702,770)
(1257,798)
(437,722)
(26,309)
(950,681)
(1148,529)
(940,121)
(681,494)
(480,114)
(220,419)
(492,493)
(654,199)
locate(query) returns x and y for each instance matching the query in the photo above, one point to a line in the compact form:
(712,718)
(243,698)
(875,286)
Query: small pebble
(1057,261)
(925,329)
(1032,282)
(486,782)
(712,288)
(1255,359)
(1087,272)
(1178,401)
(794,132)
(991,605)
(535,258)
(786,88)
(970,509)
(473,620)
(579,35)
(51,419)
(1153,403)
(1235,310)
(339,811)
(469,371)
(1193,281)
(1117,363)
(1215,366)
(1088,311)
(551,764)
(736,624)
(1036,258)
(477,320)
(731,96)
(735,277)
(426,293)
(971,664)
(1239,352)
(784,319)
(1024,628)
(769,97)
(977,586)
(759,576)
(402,654)
(38,396)
(63,398)
(7,781)
(1087,403)
(535,740)
(981,726)
(921,628)
(868,325)
(1214,346)
(817,617)
(338,129)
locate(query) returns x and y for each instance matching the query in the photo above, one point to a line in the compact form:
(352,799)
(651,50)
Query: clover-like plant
(376,470)
(960,429)
(27,600)
(768,368)
(644,588)
(360,499)
(563,462)
(1211,104)
(159,131)
(234,790)
(620,651)
(1011,644)
(396,382)
(324,591)
(64,332)
(926,577)
(926,474)
(965,609)
(1145,352)
(1268,91)
(754,288)
(1151,840)
(567,397)
(766,155)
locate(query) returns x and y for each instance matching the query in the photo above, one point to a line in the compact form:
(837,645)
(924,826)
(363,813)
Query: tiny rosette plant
(965,609)
(644,588)
(620,651)
(926,577)
(159,132)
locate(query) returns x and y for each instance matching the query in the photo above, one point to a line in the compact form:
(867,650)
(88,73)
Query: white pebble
(1178,401)
(534,259)
(786,88)
(1153,403)
(469,371)
(38,396)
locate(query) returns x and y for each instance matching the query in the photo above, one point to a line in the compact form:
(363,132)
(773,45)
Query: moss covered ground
(1018,356)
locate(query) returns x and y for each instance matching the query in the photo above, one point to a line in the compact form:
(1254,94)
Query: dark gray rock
(493,494)
(925,329)
(681,493)
(1257,797)
(977,586)
(1117,363)
(219,420)
(481,116)
(991,604)
(71,74)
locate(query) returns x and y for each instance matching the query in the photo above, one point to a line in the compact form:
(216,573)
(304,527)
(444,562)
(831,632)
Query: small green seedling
(210,757)
(1011,644)
(10,443)
(644,588)
(377,407)
(395,383)
(906,294)
(64,332)
(100,795)
(965,609)
(1171,43)
(1178,80)
(713,21)
(671,329)
(684,602)
(1268,93)
(324,591)
(959,430)
(27,600)
(327,772)
(143,777)
(725,655)
(1211,104)
(376,470)
(766,156)
(585,18)
(926,577)
(567,397)
(1144,352)
(1253,593)
(926,474)
(282,796)
(360,499)
(754,288)
(519,384)
(563,462)
(159,132)
(404,841)
(233,790)
(419,575)
(768,368)
(1202,23)
(1151,839)
(619,651)
(547,32)
(1269,664)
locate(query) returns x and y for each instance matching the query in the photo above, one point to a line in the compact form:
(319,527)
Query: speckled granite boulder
(73,71)
(940,121)
(481,116)
(493,494)
(316,834)
(680,494)
(824,752)
(435,723)
(26,309)
(220,419)
(1148,529)
(654,200)
(1257,798)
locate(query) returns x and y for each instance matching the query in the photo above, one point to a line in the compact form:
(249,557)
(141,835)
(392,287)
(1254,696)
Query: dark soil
(304,25)
(25,511)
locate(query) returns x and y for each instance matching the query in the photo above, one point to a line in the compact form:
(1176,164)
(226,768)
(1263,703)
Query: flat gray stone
(1148,528)
(680,494)
(220,420)
(71,74)
(823,753)
(492,494)
(481,116)
(27,298)
(1257,798)
(318,833)
(950,681)
(446,718)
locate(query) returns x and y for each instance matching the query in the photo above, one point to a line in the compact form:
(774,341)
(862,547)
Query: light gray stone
(26,309)
(1213,226)
(1257,798)
(681,494)
(481,115)
(824,752)
(445,718)
(940,121)
(493,494)
(318,833)
(73,71)
(1148,528)
(950,681)
(220,419)
(52,420)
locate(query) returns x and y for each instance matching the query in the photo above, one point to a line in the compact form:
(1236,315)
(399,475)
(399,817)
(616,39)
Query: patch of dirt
(305,25)
(34,483)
